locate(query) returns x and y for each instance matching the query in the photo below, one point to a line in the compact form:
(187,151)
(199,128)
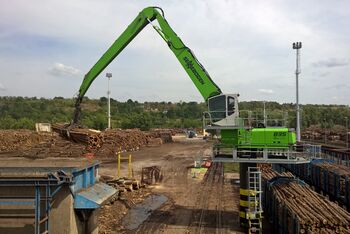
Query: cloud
(266,91)
(60,69)
(339,86)
(324,74)
(332,62)
(2,87)
(250,45)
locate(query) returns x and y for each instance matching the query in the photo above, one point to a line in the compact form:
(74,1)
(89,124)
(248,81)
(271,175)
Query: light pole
(347,134)
(109,75)
(265,122)
(297,47)
(325,132)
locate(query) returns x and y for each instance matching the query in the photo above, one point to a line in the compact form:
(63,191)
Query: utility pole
(297,47)
(109,75)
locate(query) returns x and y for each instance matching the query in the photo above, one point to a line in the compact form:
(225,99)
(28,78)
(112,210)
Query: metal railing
(247,119)
(226,152)
(314,150)
(211,118)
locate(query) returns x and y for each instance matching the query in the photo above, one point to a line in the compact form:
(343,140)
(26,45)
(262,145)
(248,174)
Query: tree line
(24,112)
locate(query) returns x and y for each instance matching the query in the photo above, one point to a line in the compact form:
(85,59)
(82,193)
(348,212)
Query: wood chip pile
(298,209)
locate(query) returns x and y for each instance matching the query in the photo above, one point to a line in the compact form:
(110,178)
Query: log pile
(112,140)
(299,204)
(78,141)
(267,173)
(164,134)
(338,169)
(315,132)
(93,139)
(173,131)
(124,140)
(11,140)
(55,146)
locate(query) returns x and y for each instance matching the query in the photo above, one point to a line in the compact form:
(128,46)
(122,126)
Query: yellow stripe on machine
(248,192)
(248,215)
(246,203)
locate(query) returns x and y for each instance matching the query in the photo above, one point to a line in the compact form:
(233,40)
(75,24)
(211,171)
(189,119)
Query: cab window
(230,105)
(217,107)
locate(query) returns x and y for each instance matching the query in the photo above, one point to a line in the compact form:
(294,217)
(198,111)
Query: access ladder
(254,211)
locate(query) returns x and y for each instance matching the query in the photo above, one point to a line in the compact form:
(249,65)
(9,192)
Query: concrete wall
(62,215)
(93,222)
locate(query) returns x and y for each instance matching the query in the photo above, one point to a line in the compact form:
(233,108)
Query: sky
(47,46)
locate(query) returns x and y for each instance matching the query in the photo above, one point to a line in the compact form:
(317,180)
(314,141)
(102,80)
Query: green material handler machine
(245,140)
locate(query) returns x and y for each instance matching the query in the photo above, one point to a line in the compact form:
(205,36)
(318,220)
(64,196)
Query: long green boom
(193,67)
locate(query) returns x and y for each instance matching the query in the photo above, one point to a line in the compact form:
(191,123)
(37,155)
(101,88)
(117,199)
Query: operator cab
(223,110)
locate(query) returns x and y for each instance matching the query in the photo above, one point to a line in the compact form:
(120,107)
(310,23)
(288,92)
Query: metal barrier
(227,154)
(248,119)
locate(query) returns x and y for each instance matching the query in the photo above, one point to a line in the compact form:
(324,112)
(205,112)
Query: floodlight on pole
(265,122)
(297,46)
(109,75)
(347,133)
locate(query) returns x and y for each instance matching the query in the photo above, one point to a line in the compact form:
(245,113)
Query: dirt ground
(194,205)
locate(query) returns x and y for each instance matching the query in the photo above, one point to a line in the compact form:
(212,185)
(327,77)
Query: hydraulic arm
(192,66)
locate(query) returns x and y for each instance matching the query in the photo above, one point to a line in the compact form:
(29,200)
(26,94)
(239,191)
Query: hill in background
(24,112)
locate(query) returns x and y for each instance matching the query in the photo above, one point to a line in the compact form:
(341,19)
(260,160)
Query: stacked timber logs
(164,134)
(76,142)
(326,176)
(11,140)
(112,140)
(296,208)
(51,146)
(93,139)
(129,139)
(172,131)
(267,173)
(124,140)
(57,147)
(339,169)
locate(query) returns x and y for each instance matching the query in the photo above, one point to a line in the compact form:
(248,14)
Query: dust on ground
(193,206)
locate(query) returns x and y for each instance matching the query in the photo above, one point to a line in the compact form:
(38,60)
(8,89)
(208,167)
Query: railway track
(212,186)
(219,207)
